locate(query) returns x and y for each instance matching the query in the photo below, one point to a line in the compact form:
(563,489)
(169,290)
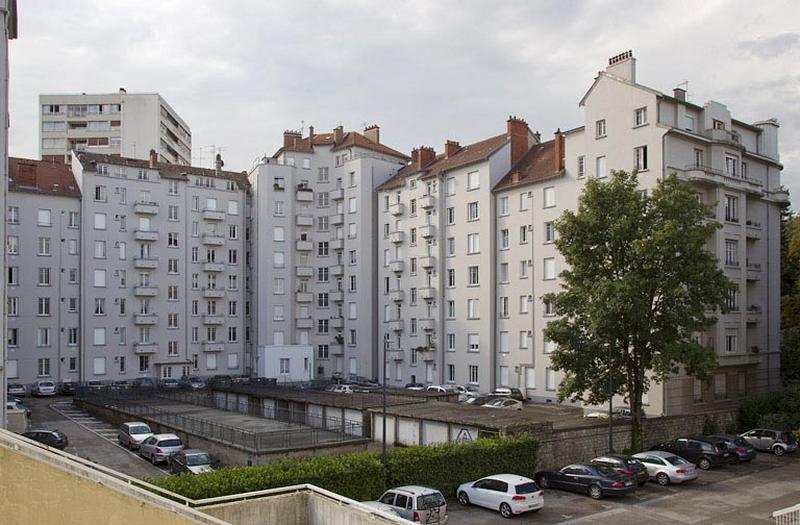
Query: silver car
(132,434)
(666,467)
(419,504)
(159,447)
(779,442)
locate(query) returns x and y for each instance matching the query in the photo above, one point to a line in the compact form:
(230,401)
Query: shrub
(710,426)
(779,409)
(360,476)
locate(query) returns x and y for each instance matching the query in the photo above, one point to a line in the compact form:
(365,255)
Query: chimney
(451,147)
(121,90)
(425,156)
(680,94)
(517,131)
(623,66)
(415,157)
(218,163)
(338,134)
(373,133)
(537,138)
(558,155)
(311,135)
(290,138)
(153,158)
(515,177)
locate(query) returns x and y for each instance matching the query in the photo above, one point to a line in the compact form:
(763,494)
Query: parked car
(68,388)
(51,438)
(700,451)
(420,504)
(169,383)
(626,465)
(131,435)
(622,412)
(193,461)
(666,467)
(159,447)
(506,403)
(143,382)
(362,381)
(513,393)
(779,442)
(43,388)
(220,381)
(436,388)
(508,494)
(743,450)
(596,481)
(121,385)
(723,444)
(192,383)
(16,404)
(377,505)
(16,389)
(95,385)
(481,400)
(414,386)
(342,389)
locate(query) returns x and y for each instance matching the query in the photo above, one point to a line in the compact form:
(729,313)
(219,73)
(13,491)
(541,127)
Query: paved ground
(742,494)
(88,437)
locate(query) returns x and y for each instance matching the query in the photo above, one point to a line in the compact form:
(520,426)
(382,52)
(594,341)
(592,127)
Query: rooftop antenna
(364,125)
(685,86)
(302,126)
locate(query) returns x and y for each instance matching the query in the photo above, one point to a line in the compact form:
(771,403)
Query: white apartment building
(313,265)
(163,268)
(121,124)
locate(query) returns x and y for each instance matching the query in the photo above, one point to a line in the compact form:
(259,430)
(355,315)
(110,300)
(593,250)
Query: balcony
(305,195)
(753,229)
(213,293)
(397,295)
(396,266)
(304,220)
(336,349)
(753,314)
(304,323)
(426,202)
(337,322)
(397,237)
(780,196)
(213,346)
(395,354)
(145,208)
(337,194)
(337,244)
(337,270)
(304,271)
(213,215)
(337,219)
(396,325)
(213,320)
(145,263)
(428,293)
(427,324)
(427,231)
(213,239)
(714,177)
(397,209)
(304,297)
(210,266)
(428,354)
(753,271)
(145,319)
(145,235)
(738,358)
(304,246)
(145,291)
(429,261)
(145,348)
(337,296)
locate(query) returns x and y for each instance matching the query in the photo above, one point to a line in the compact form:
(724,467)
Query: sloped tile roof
(42,177)
(536,165)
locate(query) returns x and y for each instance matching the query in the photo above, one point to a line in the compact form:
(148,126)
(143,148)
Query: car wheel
(542,482)
(505,510)
(463,498)
(662,479)
(778,451)
(595,492)
(704,464)
(153,459)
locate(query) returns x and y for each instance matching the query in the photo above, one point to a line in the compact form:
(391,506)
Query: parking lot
(741,494)
(88,437)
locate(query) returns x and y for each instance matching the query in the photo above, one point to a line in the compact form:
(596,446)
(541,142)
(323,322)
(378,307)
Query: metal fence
(787,516)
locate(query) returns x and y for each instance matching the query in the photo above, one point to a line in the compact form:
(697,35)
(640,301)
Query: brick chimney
(218,163)
(451,147)
(623,66)
(311,136)
(425,156)
(517,131)
(558,155)
(153,159)
(373,133)
(679,93)
(415,157)
(291,138)
(338,134)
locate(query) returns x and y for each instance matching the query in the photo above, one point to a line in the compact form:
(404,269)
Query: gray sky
(241,72)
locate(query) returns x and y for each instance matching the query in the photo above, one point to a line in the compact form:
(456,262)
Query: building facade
(121,124)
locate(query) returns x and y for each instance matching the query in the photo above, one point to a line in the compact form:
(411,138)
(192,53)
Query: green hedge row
(361,476)
(779,409)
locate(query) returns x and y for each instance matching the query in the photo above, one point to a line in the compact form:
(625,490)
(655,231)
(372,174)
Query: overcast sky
(241,72)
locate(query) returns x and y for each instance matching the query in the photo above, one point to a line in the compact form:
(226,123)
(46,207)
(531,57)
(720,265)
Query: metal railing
(787,516)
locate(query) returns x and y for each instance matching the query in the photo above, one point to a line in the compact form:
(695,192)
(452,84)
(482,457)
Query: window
(523,234)
(352,287)
(472,211)
(718,124)
(12,245)
(277,209)
(172,239)
(450,215)
(504,239)
(450,186)
(503,307)
(99,221)
(99,306)
(523,201)
(581,166)
(43,306)
(549,231)
(99,336)
(12,306)
(277,312)
(172,212)
(600,129)
(473,243)
(13,214)
(503,207)
(451,309)
(473,374)
(549,309)
(688,122)
(351,230)
(474,276)
(503,342)
(732,301)
(503,273)
(731,252)
(172,265)
(72,220)
(548,197)
(473,309)
(731,208)
(548,268)
(352,205)
(473,343)
(730,343)
(550,379)
(547,346)
(99,278)
(732,165)
(99,249)
(640,158)
(523,268)
(601,171)
(44,367)
(233,208)
(523,339)
(323,199)
(277,259)
(12,337)
(44,276)
(640,116)
(473,180)
(173,187)
(523,304)
(451,277)
(172,320)
(43,218)
(144,362)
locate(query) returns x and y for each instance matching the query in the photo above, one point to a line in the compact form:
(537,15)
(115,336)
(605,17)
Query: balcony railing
(145,263)
(213,215)
(145,290)
(213,239)
(145,235)
(210,266)
(397,209)
(145,207)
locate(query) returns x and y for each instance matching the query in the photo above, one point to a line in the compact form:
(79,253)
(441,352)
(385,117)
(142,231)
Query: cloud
(772,47)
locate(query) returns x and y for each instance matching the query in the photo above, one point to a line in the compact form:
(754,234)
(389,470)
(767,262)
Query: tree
(639,286)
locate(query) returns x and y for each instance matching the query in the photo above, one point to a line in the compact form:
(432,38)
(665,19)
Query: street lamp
(610,405)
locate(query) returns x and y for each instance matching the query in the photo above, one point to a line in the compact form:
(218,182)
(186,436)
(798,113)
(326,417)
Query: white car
(508,404)
(508,494)
(383,507)
(666,467)
(342,389)
(43,388)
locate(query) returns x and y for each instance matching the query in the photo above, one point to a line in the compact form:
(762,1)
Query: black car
(144,382)
(701,451)
(51,438)
(594,480)
(622,464)
(221,381)
(362,382)
(738,452)
(68,388)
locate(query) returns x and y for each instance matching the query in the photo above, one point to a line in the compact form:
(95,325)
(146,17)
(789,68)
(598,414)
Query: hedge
(779,409)
(360,476)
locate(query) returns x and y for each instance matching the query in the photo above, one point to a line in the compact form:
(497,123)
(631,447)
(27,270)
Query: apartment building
(121,124)
(43,271)
(437,237)
(313,265)
(163,271)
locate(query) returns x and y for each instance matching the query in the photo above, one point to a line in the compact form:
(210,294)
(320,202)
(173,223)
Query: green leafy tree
(640,284)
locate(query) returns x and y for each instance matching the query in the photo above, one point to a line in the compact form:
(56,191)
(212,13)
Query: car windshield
(739,442)
(430,501)
(526,488)
(47,384)
(198,459)
(631,462)
(675,460)
(169,443)
(140,429)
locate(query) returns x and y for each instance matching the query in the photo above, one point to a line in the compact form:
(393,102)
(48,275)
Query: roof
(41,177)
(165,170)
(538,164)
(350,139)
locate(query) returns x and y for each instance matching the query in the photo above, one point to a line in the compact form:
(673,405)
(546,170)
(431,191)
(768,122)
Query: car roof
(659,453)
(193,451)
(131,423)
(165,436)
(43,430)
(509,478)
(414,489)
